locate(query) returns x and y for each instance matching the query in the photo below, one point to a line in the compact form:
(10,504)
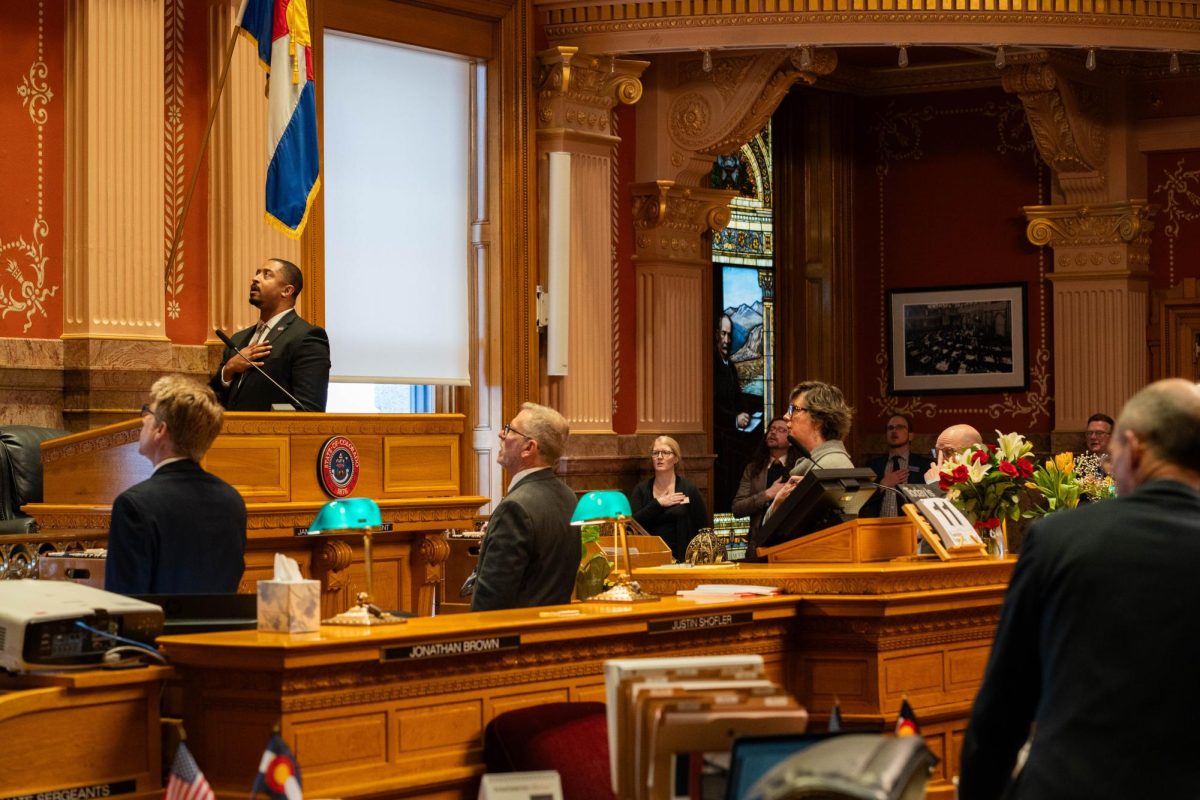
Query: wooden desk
(413,727)
(409,463)
(71,730)
(871,634)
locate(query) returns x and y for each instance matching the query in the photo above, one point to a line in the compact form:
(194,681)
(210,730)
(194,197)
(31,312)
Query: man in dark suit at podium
(1096,654)
(182,529)
(290,350)
(899,466)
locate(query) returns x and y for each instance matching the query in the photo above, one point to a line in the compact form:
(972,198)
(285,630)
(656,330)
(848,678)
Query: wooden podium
(411,464)
(858,541)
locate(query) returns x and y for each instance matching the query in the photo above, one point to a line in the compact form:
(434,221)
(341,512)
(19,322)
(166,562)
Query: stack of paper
(728,590)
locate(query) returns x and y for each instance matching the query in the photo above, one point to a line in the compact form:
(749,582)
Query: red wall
(31,145)
(1173,182)
(940,181)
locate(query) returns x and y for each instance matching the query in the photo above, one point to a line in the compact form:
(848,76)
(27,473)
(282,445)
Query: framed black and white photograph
(957,339)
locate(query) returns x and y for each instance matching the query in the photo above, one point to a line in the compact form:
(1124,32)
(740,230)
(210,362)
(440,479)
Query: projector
(38,627)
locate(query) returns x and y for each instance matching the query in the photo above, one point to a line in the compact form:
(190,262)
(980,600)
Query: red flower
(988,524)
(1025,466)
(992,448)
(980,456)
(945,481)
(961,474)
(1008,469)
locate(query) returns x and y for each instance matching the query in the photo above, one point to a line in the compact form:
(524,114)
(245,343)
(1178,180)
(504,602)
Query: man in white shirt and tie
(899,466)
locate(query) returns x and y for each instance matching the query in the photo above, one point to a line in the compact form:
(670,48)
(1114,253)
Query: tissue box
(289,606)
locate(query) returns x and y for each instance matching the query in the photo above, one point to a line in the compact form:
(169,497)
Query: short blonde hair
(672,445)
(549,429)
(191,413)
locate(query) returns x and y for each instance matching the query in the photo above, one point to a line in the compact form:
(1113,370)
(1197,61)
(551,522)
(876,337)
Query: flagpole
(191,190)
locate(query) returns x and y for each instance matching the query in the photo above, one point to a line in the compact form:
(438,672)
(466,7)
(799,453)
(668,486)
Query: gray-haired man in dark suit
(530,553)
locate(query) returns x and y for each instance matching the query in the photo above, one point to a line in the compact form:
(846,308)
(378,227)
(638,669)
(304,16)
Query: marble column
(1101,304)
(113,320)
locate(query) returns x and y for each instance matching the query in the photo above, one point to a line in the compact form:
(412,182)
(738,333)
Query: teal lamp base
(364,613)
(624,592)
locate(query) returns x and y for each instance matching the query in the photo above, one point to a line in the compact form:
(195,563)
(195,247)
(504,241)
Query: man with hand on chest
(291,351)
(899,466)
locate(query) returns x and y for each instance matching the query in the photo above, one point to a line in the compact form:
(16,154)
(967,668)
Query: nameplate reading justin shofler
(459,648)
(699,623)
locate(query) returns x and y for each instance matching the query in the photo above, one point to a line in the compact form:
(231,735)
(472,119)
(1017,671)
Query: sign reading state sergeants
(337,466)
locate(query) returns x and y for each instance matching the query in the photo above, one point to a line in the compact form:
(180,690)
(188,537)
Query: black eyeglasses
(794,409)
(507,429)
(147,410)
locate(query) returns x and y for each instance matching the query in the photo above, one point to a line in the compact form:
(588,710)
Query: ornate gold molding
(712,112)
(578,91)
(1082,225)
(670,221)
(1067,120)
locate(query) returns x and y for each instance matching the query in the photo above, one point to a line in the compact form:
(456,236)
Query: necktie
(258,332)
(889,508)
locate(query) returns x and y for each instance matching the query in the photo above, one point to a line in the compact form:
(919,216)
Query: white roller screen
(397,154)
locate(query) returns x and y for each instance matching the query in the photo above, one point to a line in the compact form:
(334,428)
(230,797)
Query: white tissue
(286,569)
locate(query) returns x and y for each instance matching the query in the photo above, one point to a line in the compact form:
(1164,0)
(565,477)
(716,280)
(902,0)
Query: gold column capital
(1110,240)
(672,221)
(577,91)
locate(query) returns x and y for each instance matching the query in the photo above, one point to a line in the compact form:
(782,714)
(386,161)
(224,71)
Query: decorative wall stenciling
(1178,193)
(174,167)
(26,252)
(919,242)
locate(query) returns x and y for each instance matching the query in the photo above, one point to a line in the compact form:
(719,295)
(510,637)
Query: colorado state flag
(279,29)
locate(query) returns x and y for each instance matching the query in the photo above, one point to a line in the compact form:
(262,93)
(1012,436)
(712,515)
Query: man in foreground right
(1097,653)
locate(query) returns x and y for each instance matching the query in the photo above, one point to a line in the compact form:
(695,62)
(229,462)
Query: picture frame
(958,339)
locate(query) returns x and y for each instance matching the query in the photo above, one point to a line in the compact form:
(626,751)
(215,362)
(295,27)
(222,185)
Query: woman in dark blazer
(669,505)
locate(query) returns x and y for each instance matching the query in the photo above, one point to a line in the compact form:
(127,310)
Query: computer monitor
(202,613)
(823,498)
(755,756)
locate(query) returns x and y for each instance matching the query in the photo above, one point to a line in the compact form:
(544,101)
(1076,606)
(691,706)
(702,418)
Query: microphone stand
(224,337)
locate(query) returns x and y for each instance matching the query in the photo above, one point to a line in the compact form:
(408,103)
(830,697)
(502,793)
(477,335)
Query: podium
(858,541)
(410,464)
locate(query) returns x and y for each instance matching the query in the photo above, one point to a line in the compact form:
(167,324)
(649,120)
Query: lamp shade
(347,514)
(600,507)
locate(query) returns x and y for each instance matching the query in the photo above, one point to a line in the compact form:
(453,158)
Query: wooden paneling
(258,469)
(421,466)
(68,730)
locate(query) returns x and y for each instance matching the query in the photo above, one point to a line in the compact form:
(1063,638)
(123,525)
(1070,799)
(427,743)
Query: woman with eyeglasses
(669,505)
(818,420)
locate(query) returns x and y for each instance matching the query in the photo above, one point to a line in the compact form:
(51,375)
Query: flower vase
(996,541)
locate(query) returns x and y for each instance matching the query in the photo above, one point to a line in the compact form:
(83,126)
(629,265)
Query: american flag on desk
(187,782)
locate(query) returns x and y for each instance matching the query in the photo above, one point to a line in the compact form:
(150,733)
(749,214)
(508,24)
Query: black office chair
(850,767)
(21,474)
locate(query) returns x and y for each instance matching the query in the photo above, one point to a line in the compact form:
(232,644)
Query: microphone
(229,343)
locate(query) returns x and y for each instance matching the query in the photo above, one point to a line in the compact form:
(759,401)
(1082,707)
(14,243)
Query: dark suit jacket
(751,498)
(530,553)
(1099,645)
(180,530)
(299,361)
(677,524)
(917,467)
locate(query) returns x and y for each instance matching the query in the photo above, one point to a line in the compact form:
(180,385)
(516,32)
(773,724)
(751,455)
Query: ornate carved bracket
(579,91)
(1109,237)
(717,111)
(1066,118)
(670,221)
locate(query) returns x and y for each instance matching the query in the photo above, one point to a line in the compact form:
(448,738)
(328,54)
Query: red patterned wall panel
(31,169)
(1173,179)
(940,181)
(185,115)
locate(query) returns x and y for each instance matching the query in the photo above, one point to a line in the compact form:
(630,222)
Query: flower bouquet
(1094,483)
(1058,482)
(984,482)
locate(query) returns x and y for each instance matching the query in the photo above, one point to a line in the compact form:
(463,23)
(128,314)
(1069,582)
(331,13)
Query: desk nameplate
(706,622)
(457,648)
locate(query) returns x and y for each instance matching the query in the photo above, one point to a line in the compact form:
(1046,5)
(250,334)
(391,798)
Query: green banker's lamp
(348,515)
(598,507)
